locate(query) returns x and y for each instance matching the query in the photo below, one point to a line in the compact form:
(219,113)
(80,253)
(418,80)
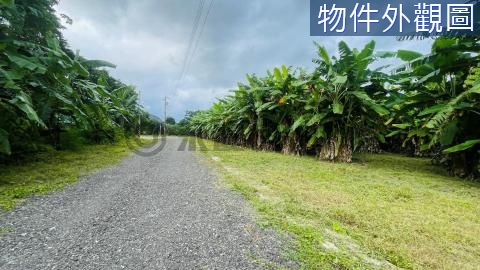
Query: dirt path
(166,211)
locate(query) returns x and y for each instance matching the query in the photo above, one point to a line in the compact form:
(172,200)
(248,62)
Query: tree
(342,110)
(429,104)
(47,90)
(438,105)
(331,109)
(170,121)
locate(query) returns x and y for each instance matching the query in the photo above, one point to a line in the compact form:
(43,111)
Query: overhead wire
(202,28)
(191,41)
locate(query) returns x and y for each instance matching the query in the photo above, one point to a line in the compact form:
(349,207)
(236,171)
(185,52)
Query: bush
(71,139)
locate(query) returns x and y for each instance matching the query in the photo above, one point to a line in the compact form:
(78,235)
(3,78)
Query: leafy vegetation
(51,170)
(381,212)
(49,94)
(427,106)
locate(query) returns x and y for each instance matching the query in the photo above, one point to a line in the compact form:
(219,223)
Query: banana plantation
(424,105)
(51,95)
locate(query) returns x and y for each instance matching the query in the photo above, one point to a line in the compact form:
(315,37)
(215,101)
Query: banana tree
(45,88)
(439,104)
(282,110)
(340,107)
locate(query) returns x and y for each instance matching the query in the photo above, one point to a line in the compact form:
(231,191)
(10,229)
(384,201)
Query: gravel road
(167,211)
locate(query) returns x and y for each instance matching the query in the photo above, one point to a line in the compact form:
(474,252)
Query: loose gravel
(166,211)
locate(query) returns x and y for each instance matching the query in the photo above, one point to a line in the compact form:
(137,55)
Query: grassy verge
(53,170)
(384,211)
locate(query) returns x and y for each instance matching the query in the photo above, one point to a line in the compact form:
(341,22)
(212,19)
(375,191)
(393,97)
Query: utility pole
(165,118)
(139,115)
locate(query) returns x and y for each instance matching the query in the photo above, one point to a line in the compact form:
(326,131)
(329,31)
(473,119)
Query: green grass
(383,211)
(52,170)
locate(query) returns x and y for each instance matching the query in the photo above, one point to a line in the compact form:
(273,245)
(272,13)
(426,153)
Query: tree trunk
(331,151)
(465,164)
(370,144)
(259,141)
(292,146)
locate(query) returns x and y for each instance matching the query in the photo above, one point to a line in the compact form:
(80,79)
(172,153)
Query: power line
(202,28)
(191,41)
(195,42)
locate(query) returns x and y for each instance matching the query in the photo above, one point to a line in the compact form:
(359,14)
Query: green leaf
(337,107)
(80,69)
(319,133)
(247,131)
(365,99)
(22,101)
(447,112)
(300,83)
(4,143)
(366,52)
(316,119)
(385,54)
(408,56)
(265,106)
(312,141)
(402,126)
(428,76)
(393,133)
(381,138)
(284,71)
(105,94)
(340,79)
(272,136)
(7,3)
(299,122)
(449,132)
(277,74)
(322,52)
(433,109)
(423,147)
(53,43)
(461,147)
(346,53)
(12,75)
(24,62)
(417,132)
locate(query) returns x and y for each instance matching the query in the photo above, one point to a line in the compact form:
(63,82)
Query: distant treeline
(155,126)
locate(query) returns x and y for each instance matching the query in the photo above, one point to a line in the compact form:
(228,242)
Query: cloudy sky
(148,40)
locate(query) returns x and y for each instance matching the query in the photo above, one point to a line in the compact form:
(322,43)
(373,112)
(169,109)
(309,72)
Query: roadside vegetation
(313,160)
(427,106)
(368,166)
(61,115)
(52,170)
(50,95)
(381,212)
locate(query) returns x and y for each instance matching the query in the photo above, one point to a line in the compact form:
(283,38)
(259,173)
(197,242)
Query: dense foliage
(51,95)
(427,106)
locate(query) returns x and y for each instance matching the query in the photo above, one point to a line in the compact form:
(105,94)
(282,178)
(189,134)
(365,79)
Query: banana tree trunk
(370,144)
(292,146)
(259,140)
(337,149)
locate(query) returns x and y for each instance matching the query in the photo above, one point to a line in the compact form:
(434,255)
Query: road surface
(166,211)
